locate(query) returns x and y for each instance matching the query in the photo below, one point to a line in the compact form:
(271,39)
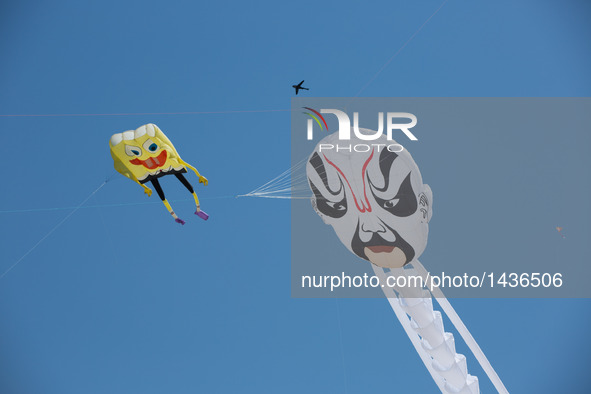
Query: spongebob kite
(146,154)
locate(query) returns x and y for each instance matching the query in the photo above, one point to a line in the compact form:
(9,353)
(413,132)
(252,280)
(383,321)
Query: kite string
(110,205)
(56,227)
(287,184)
(273,182)
(147,113)
(400,50)
(283,183)
(255,193)
(107,233)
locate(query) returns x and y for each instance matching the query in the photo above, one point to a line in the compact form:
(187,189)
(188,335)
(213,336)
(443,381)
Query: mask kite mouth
(152,162)
(381,249)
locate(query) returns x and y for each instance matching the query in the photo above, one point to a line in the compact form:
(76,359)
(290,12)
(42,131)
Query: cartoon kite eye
(150,145)
(133,150)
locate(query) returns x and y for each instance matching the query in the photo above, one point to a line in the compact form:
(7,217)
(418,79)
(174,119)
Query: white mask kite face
(375,201)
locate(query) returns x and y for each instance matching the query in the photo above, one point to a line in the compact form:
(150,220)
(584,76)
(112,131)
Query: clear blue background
(120,299)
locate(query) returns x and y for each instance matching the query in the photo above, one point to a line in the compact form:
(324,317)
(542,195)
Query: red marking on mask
(363,207)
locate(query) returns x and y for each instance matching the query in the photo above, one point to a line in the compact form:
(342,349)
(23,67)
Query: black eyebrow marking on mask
(318,165)
(386,160)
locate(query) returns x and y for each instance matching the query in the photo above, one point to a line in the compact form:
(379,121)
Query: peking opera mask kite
(146,154)
(375,200)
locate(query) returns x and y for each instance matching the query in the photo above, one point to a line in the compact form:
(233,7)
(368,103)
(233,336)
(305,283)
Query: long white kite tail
(424,326)
(413,307)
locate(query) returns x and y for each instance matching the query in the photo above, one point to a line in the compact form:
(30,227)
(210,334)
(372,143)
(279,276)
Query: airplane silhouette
(298,87)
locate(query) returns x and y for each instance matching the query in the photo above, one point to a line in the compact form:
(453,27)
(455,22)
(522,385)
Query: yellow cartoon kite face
(144,153)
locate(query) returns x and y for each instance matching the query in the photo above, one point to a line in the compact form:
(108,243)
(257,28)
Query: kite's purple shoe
(181,221)
(202,215)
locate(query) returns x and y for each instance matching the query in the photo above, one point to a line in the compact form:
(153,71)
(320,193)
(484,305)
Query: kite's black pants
(180,177)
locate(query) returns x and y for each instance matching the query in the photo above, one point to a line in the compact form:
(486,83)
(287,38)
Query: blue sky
(120,299)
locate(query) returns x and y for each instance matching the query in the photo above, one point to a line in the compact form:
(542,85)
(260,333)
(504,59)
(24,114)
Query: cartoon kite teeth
(146,154)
